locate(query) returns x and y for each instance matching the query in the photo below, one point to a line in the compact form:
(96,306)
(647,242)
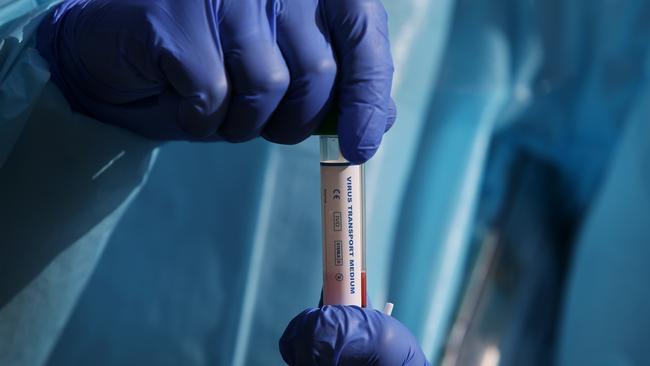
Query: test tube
(343,220)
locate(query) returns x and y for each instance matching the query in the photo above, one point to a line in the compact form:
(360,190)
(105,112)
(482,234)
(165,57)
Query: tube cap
(329,126)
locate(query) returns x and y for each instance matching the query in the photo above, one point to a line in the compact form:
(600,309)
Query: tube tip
(388,308)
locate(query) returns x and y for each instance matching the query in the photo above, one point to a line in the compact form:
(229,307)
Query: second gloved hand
(348,335)
(226,69)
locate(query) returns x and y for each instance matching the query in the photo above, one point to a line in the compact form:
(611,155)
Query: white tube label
(342,233)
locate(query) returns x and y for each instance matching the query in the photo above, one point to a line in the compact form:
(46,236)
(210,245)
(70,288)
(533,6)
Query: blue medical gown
(125,252)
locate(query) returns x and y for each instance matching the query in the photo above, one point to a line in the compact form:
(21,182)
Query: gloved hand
(226,69)
(348,335)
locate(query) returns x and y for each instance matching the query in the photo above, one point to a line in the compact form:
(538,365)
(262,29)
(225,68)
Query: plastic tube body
(342,190)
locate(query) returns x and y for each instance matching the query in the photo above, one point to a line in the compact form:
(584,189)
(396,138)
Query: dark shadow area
(512,300)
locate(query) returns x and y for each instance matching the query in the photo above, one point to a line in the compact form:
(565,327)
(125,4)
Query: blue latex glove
(226,69)
(348,335)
